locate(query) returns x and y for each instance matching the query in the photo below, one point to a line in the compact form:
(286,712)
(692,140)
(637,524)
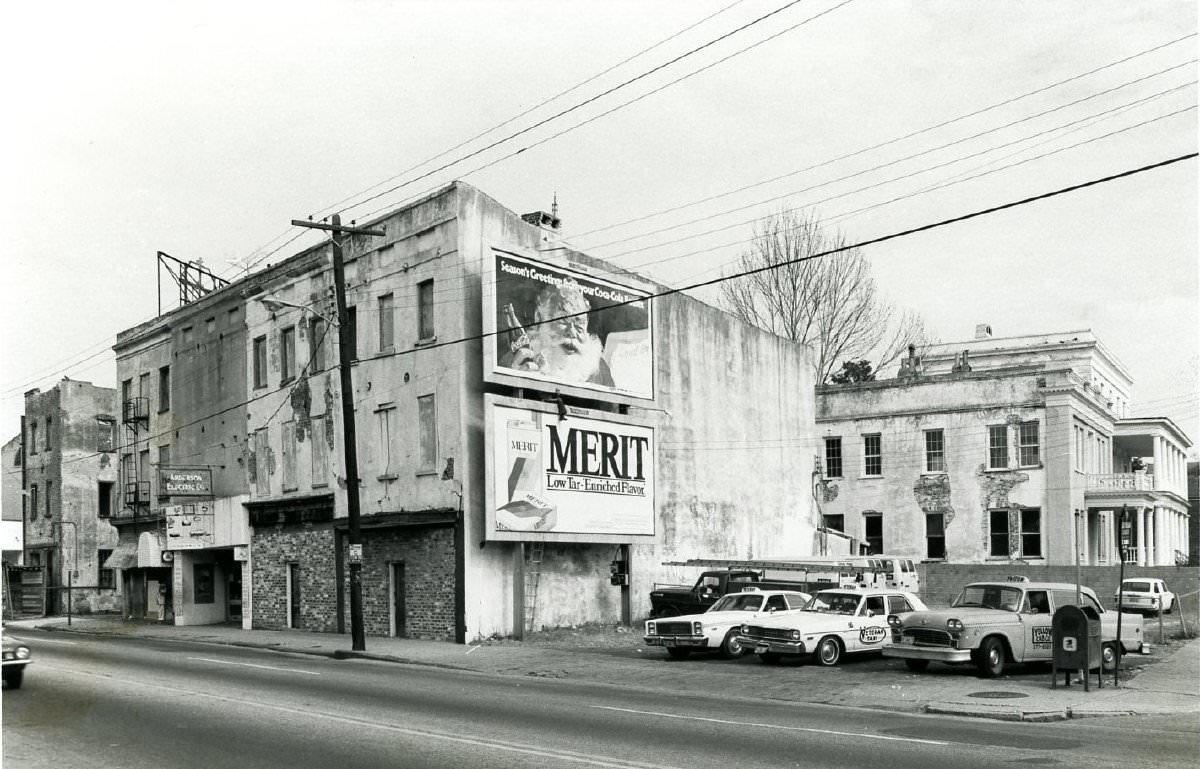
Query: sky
(134,128)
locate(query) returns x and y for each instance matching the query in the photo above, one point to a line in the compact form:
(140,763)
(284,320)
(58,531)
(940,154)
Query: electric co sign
(178,482)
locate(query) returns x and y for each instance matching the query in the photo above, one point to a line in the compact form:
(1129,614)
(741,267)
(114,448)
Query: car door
(1038,619)
(872,627)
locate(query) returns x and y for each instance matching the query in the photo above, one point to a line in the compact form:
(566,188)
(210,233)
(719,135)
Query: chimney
(983,331)
(549,223)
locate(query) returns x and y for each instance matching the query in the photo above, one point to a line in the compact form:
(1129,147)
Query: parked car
(16,657)
(834,623)
(678,600)
(717,628)
(992,624)
(1148,595)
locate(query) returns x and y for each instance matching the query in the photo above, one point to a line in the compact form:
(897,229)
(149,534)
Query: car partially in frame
(994,624)
(16,657)
(716,630)
(836,622)
(1144,594)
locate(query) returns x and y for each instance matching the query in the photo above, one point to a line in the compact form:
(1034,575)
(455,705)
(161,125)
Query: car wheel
(678,654)
(771,658)
(829,651)
(916,666)
(1108,657)
(13,678)
(991,658)
(731,647)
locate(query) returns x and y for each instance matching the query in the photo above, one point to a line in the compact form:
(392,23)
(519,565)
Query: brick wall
(428,557)
(312,547)
(941,582)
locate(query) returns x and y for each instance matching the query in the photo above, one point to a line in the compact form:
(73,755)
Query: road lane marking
(557,754)
(252,665)
(43,641)
(780,727)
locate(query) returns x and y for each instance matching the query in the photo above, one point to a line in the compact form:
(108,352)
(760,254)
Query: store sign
(557,327)
(568,478)
(181,482)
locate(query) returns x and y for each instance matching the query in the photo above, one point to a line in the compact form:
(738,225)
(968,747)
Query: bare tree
(829,303)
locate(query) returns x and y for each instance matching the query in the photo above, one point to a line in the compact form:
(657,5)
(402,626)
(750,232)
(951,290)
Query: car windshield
(990,597)
(1136,587)
(828,602)
(738,602)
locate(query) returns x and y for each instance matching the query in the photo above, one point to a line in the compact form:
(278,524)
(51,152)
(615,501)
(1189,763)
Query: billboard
(572,479)
(189,527)
(564,329)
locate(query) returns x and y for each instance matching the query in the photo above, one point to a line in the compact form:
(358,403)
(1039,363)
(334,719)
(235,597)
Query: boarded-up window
(387,324)
(320,452)
(262,448)
(289,456)
(106,434)
(427,424)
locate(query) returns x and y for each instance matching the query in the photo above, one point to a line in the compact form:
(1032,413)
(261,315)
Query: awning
(123,557)
(149,550)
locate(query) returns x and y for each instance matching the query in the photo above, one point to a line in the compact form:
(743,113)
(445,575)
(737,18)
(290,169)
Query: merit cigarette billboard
(558,328)
(575,479)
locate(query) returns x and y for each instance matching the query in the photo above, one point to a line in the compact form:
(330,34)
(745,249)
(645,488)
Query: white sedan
(717,629)
(1147,595)
(834,623)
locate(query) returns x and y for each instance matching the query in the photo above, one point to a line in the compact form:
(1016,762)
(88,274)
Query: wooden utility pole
(358,641)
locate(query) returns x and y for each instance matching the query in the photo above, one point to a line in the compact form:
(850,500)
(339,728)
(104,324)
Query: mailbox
(1077,644)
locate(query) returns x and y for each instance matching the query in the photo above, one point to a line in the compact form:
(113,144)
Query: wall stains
(995,488)
(933,495)
(829,490)
(301,401)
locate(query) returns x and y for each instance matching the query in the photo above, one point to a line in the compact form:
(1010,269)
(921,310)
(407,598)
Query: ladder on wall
(533,575)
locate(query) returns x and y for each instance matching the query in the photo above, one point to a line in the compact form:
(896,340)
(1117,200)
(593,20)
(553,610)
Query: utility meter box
(1075,634)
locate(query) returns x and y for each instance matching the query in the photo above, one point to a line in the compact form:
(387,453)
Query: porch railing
(1120,482)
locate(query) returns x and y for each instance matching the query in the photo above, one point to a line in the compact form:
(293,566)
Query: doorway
(399,629)
(233,593)
(293,589)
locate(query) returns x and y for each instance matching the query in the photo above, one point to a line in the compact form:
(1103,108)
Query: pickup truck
(676,600)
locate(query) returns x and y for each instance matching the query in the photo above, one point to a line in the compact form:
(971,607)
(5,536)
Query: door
(293,595)
(399,625)
(233,594)
(1035,610)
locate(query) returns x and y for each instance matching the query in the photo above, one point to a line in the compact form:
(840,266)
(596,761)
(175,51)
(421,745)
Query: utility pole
(358,641)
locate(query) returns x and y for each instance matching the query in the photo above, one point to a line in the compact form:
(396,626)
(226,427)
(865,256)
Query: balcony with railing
(1120,482)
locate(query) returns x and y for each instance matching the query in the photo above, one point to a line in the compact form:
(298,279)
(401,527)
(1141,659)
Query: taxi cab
(717,629)
(834,623)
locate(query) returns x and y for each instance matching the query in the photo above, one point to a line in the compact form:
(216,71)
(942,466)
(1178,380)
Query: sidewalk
(1169,686)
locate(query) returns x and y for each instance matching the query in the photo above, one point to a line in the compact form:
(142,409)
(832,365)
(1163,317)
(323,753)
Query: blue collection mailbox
(1075,632)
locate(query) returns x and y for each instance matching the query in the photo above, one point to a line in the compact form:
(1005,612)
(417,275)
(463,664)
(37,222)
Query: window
(262,446)
(1017,534)
(106,434)
(776,603)
(49,488)
(833,457)
(33,500)
(935,451)
(425,310)
(872,454)
(875,605)
(49,424)
(316,344)
(427,429)
(935,535)
(104,577)
(835,523)
(287,354)
(164,389)
(144,386)
(385,416)
(164,461)
(387,324)
(33,436)
(1027,443)
(320,451)
(104,499)
(260,362)
(873,532)
(231,317)
(187,335)
(898,604)
(997,447)
(289,456)
(352,331)
(1031,533)
(126,390)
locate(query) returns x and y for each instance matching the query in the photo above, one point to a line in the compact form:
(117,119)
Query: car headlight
(22,652)
(795,635)
(697,628)
(746,629)
(894,621)
(651,629)
(954,625)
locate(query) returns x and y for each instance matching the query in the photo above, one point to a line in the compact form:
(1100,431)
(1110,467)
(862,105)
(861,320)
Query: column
(1160,536)
(1142,550)
(1160,463)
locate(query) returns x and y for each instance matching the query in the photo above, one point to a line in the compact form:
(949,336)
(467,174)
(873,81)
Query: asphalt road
(112,702)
